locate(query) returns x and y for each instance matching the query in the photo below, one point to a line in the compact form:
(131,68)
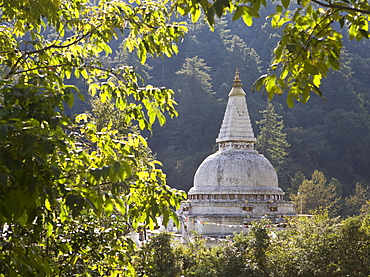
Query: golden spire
(237,89)
(237,81)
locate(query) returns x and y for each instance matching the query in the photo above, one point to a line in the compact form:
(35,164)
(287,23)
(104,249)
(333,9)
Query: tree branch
(312,35)
(40,67)
(340,7)
(58,46)
(25,54)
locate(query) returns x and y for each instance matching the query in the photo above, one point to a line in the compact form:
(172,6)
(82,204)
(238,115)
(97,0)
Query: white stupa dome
(235,172)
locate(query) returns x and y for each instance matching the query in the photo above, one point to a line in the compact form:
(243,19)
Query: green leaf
(69,98)
(352,31)
(142,53)
(195,15)
(84,73)
(238,13)
(259,82)
(247,18)
(318,91)
(275,20)
(63,212)
(290,101)
(285,3)
(364,33)
(23,220)
(81,118)
(165,219)
(284,73)
(270,82)
(342,20)
(279,9)
(311,69)
(47,204)
(218,7)
(251,11)
(334,62)
(50,229)
(305,95)
(127,167)
(161,119)
(211,17)
(317,80)
(105,171)
(291,48)
(108,207)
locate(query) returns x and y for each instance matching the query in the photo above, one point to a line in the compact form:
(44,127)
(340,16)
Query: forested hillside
(330,135)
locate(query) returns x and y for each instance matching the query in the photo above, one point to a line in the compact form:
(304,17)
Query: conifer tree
(358,202)
(318,193)
(271,141)
(185,141)
(296,181)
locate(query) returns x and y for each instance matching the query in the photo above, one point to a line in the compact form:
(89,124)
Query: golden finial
(237,81)
(237,86)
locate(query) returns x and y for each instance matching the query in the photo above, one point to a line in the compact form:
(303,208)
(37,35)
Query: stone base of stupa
(224,218)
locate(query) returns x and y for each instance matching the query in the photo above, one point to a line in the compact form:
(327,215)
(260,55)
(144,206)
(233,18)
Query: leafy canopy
(59,172)
(311,40)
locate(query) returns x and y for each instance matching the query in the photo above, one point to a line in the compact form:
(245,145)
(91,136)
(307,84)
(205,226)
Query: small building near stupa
(235,185)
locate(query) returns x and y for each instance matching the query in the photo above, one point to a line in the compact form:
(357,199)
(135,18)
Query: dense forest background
(328,137)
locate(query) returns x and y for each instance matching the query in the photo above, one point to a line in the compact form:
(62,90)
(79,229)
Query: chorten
(235,185)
